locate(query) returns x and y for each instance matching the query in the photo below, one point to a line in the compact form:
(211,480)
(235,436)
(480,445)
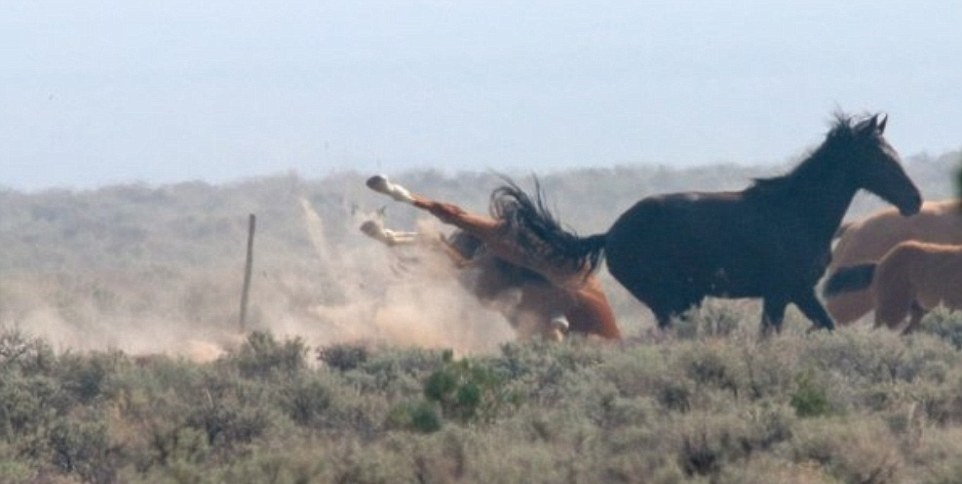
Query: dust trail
(418,303)
(315,229)
(355,290)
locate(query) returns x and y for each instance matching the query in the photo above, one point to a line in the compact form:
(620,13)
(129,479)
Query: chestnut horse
(771,240)
(909,280)
(530,303)
(867,240)
(508,259)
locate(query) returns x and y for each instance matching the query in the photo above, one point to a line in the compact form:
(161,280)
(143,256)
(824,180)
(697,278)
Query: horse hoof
(560,324)
(380,184)
(372,229)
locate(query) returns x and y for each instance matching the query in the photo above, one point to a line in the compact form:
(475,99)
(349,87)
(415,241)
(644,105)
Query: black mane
(845,129)
(529,221)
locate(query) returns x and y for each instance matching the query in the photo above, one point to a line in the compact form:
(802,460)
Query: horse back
(869,239)
(933,270)
(719,243)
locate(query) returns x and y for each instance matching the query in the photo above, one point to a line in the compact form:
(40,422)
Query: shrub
(307,400)
(809,399)
(850,449)
(228,421)
(343,357)
(83,448)
(421,416)
(945,325)
(467,390)
(262,356)
(22,354)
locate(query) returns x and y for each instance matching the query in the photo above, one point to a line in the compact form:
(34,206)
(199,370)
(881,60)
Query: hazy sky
(98,92)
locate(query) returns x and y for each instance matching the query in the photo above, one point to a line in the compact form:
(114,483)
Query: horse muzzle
(911,207)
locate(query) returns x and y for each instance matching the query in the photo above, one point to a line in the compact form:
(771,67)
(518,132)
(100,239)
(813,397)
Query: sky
(103,92)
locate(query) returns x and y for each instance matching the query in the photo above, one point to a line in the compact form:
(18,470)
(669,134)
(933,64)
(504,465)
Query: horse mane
(538,232)
(844,129)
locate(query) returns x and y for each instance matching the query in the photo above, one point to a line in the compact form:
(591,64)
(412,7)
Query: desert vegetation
(122,358)
(708,403)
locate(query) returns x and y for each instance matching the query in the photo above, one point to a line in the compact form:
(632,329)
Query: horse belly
(655,248)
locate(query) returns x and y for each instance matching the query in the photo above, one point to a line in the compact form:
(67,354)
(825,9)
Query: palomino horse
(909,280)
(771,240)
(508,257)
(867,240)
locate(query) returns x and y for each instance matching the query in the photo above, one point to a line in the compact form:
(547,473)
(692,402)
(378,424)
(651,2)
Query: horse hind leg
(480,226)
(813,310)
(916,312)
(893,303)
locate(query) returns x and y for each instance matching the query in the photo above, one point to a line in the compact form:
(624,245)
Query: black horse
(771,240)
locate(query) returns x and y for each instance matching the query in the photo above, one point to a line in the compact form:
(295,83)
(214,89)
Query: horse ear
(881,124)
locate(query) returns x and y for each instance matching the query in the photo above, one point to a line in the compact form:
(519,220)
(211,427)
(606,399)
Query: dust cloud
(361,292)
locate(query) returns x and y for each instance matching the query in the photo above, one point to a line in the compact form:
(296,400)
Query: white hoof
(373,229)
(390,237)
(380,184)
(560,323)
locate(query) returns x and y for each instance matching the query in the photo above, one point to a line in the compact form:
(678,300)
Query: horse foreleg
(917,312)
(389,237)
(813,310)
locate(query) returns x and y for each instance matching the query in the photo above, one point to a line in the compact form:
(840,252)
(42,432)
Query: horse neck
(822,194)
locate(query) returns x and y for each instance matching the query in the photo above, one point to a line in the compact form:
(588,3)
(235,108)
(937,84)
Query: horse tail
(851,278)
(527,219)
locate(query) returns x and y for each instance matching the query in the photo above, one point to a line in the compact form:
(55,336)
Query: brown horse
(909,280)
(506,258)
(771,240)
(867,240)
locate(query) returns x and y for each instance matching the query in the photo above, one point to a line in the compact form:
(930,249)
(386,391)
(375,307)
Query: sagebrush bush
(343,357)
(850,449)
(262,356)
(944,324)
(855,405)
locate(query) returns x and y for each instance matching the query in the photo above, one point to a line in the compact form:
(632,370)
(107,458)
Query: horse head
(874,165)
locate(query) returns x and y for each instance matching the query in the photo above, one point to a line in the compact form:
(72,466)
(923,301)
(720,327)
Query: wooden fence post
(247,272)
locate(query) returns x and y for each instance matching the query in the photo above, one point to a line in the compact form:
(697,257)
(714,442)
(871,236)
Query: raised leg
(485,228)
(389,237)
(381,184)
(481,226)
